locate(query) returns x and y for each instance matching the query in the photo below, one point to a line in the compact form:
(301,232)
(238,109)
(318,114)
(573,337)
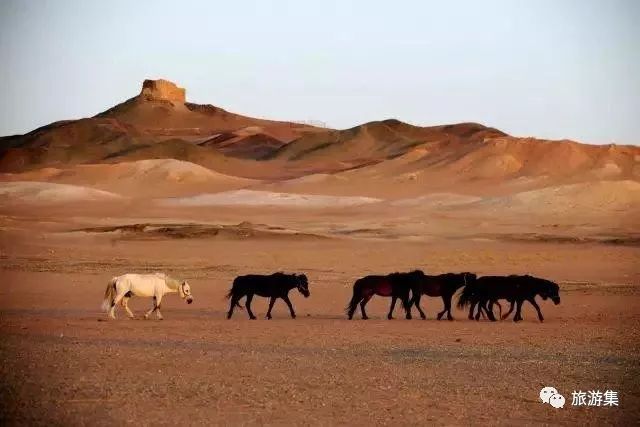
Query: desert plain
(158,184)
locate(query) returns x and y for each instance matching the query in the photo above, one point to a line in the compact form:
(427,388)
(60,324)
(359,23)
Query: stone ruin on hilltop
(162,90)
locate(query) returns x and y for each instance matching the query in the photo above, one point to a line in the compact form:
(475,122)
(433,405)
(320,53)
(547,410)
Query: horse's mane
(171,282)
(285,277)
(420,272)
(540,281)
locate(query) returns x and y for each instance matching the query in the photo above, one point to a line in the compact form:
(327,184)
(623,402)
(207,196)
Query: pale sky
(547,68)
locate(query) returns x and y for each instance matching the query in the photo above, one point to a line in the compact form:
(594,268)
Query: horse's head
(303,285)
(549,289)
(185,292)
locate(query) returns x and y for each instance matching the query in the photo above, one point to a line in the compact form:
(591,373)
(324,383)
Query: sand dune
(437,200)
(46,192)
(589,198)
(603,199)
(267,198)
(154,170)
(140,178)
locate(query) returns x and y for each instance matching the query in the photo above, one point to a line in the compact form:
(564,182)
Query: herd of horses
(480,294)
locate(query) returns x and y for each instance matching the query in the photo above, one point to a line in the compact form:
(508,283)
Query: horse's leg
(484,311)
(148,313)
(489,309)
(533,302)
(157,301)
(364,302)
(393,306)
(508,313)
(248,305)
(288,301)
(406,303)
(125,304)
(496,302)
(447,307)
(518,316)
(480,312)
(271,302)
(116,301)
(232,305)
(416,302)
(353,305)
(472,309)
(444,310)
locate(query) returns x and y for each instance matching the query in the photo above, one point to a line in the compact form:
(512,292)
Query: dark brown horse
(489,289)
(480,312)
(442,285)
(395,285)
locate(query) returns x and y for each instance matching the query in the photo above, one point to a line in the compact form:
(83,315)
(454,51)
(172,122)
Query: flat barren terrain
(65,364)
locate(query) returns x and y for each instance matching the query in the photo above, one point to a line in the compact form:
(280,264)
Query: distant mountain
(377,141)
(159,113)
(159,123)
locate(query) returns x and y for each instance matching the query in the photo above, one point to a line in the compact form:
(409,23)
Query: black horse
(394,285)
(273,286)
(480,312)
(443,285)
(489,289)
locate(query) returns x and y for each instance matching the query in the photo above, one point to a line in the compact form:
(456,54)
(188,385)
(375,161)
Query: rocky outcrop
(162,90)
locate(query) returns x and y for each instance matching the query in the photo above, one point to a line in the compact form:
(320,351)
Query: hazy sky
(547,68)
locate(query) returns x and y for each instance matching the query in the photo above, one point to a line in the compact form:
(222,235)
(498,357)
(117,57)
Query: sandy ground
(64,364)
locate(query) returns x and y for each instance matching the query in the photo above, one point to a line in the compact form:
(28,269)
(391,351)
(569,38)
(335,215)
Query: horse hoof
(365,318)
(252,318)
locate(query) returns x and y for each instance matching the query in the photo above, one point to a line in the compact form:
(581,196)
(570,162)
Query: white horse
(156,285)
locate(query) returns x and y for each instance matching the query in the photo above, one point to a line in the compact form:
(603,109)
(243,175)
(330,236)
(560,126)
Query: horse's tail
(109,294)
(465,297)
(230,294)
(351,307)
